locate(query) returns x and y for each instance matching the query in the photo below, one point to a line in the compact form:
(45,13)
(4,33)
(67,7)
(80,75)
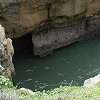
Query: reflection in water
(67,66)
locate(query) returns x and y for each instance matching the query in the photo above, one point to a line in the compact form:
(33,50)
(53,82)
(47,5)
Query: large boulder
(45,43)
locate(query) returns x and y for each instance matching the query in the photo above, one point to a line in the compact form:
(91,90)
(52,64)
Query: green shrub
(5,82)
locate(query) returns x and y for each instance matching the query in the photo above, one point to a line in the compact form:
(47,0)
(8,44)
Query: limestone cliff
(22,16)
(6,54)
(66,20)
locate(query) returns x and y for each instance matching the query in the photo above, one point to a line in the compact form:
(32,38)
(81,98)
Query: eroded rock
(57,17)
(6,54)
(20,17)
(45,43)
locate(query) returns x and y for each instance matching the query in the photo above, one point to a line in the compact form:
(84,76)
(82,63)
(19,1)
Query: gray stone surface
(92,81)
(45,43)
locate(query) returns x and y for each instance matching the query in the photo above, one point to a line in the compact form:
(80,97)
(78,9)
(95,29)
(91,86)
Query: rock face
(71,18)
(46,42)
(92,81)
(22,16)
(6,54)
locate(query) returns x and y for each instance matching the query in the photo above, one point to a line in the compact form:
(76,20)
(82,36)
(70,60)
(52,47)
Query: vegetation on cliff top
(7,90)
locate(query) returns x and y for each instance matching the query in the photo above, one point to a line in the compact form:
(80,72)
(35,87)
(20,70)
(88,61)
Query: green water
(67,66)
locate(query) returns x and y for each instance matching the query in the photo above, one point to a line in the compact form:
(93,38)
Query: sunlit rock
(92,81)
(2,36)
(6,54)
(10,49)
(27,91)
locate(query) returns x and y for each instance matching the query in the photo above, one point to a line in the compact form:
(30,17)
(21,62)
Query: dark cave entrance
(24,42)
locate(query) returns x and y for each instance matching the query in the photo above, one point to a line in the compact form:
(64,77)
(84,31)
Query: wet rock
(92,81)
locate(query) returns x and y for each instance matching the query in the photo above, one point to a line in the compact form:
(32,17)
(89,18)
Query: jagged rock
(6,54)
(10,49)
(92,81)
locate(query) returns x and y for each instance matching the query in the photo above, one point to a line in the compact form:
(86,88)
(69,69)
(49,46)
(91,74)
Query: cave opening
(82,59)
(24,42)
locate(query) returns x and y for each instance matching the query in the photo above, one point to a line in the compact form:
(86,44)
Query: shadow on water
(68,66)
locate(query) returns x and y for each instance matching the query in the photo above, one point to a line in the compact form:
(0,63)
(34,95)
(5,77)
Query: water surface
(67,66)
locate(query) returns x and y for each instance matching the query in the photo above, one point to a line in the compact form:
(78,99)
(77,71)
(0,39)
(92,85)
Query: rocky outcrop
(45,43)
(61,22)
(6,54)
(20,17)
(92,81)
